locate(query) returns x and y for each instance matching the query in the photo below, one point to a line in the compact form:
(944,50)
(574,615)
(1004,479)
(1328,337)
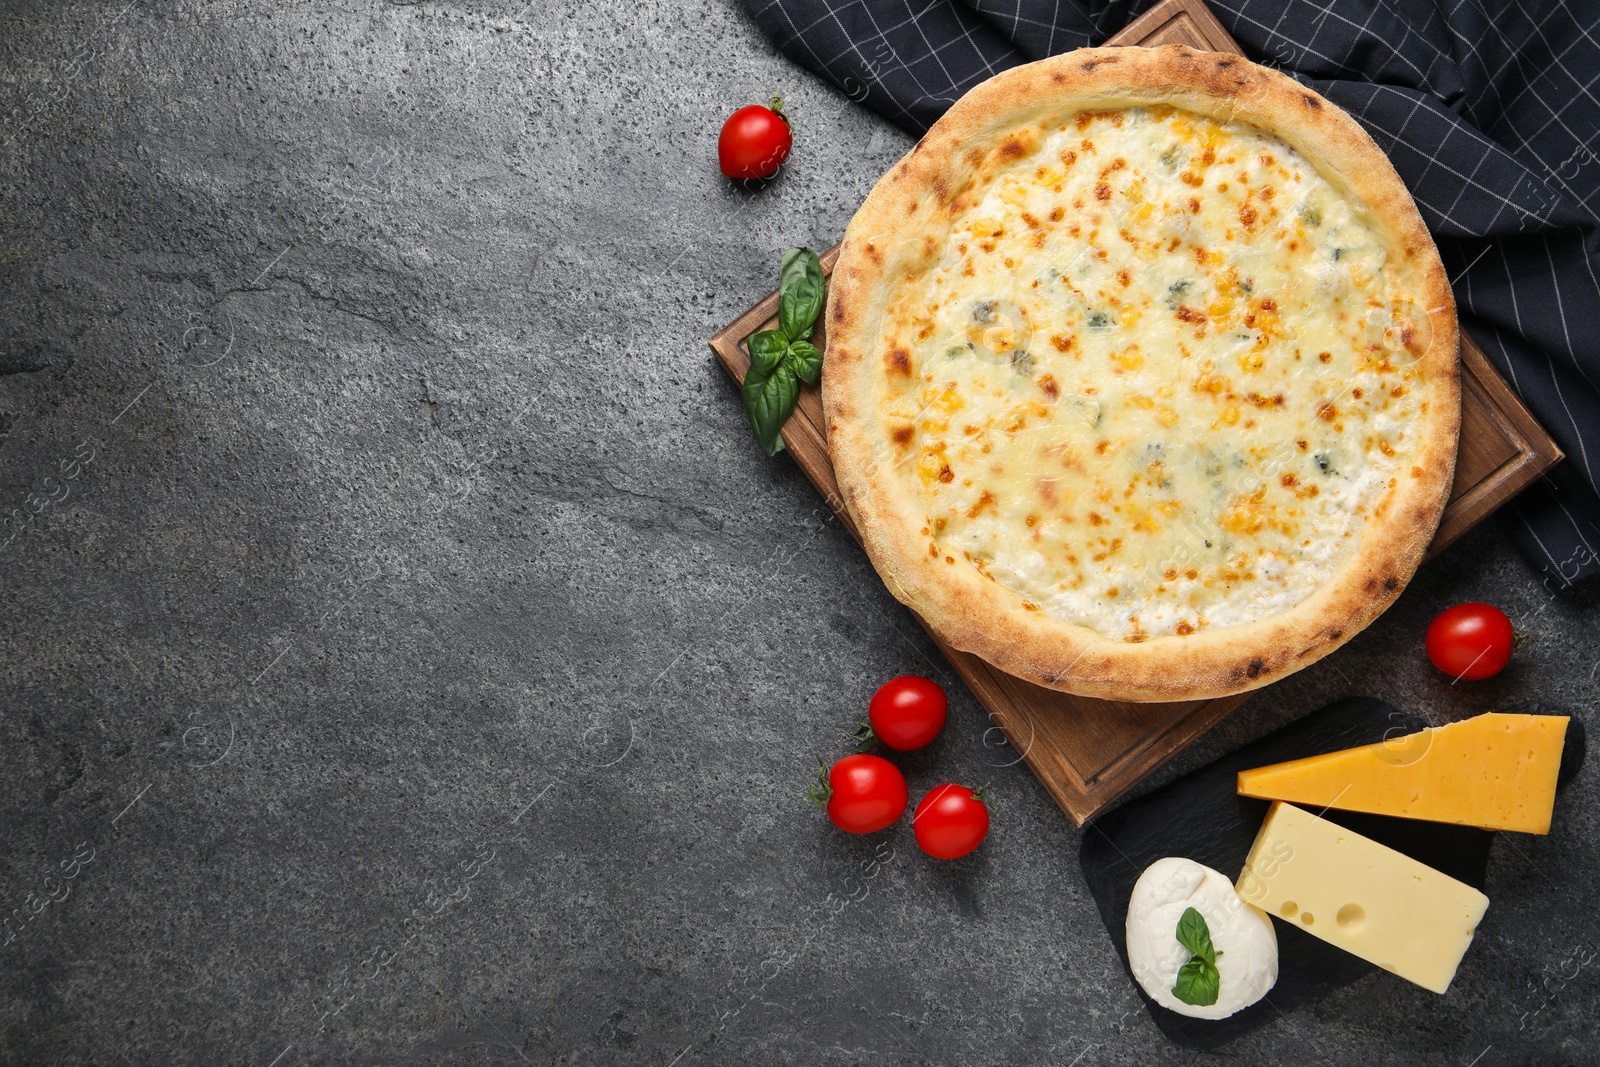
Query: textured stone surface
(408,656)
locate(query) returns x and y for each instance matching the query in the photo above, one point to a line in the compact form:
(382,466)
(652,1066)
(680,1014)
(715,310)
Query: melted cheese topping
(1158,378)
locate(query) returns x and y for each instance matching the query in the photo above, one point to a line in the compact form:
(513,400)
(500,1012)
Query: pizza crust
(899,230)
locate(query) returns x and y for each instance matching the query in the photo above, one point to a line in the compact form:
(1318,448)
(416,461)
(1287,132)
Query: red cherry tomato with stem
(755,141)
(951,821)
(863,793)
(1471,641)
(907,712)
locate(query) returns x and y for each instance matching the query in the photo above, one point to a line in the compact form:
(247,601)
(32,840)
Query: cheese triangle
(1495,771)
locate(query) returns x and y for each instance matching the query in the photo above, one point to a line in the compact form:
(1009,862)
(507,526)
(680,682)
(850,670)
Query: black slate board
(1200,816)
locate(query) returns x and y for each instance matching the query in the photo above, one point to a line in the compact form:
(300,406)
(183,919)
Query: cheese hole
(1289,908)
(1307,918)
(1351,917)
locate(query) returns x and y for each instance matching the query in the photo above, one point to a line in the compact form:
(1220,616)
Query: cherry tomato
(951,821)
(907,712)
(1470,641)
(863,793)
(755,141)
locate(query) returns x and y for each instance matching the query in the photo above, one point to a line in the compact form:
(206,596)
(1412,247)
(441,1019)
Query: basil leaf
(1198,983)
(767,350)
(801,291)
(806,359)
(783,358)
(769,396)
(1194,935)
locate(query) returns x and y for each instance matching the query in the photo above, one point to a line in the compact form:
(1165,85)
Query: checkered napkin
(1490,110)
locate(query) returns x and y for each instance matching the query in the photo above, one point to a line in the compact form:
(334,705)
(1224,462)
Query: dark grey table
(408,657)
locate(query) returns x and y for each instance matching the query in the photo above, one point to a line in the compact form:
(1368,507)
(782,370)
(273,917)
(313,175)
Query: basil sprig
(1198,980)
(783,358)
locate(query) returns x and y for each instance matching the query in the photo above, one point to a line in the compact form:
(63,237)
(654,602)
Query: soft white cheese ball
(1241,932)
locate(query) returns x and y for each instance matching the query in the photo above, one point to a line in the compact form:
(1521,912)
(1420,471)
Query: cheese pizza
(1141,377)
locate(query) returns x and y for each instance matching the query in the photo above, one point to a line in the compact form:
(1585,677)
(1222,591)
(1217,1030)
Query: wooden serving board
(1089,752)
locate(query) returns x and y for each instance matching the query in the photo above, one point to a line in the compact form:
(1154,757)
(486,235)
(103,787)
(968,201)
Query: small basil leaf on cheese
(806,359)
(1199,983)
(801,291)
(1194,935)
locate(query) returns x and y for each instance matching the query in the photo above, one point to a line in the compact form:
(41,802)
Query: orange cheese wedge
(1495,771)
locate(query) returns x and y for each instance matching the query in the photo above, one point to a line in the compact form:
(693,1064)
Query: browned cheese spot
(1017,145)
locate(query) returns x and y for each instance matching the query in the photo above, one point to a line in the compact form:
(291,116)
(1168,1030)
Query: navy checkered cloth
(1490,110)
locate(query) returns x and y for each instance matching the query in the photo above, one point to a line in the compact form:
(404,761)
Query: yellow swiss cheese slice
(1361,896)
(1497,772)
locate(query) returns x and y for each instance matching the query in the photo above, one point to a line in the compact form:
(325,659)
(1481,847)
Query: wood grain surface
(1087,752)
